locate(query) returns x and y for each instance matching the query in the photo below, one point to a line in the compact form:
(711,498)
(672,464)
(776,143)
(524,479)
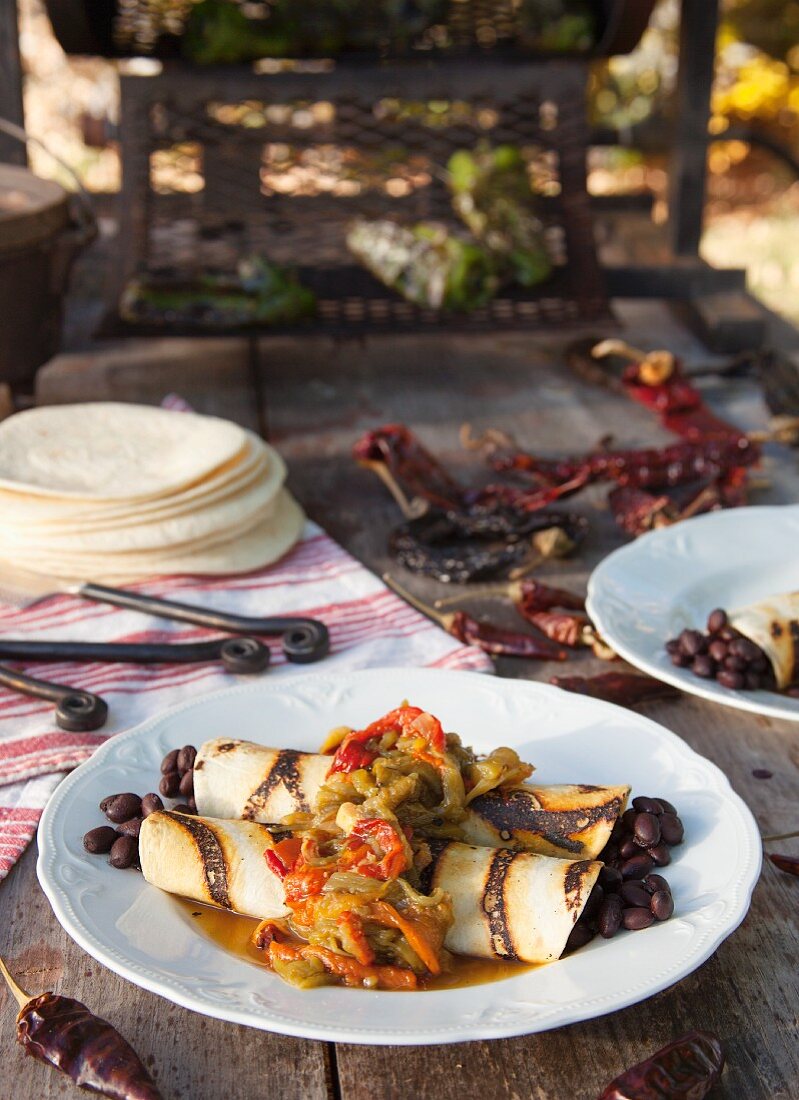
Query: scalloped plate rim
(729,919)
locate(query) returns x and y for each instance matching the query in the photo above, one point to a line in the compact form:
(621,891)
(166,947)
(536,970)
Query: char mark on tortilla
(494,903)
(512,812)
(285,770)
(211,855)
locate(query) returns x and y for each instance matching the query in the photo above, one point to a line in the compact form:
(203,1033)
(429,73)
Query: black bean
(729,679)
(637,866)
(124,852)
(760,664)
(150,803)
(793,692)
(753,680)
(679,660)
(673,646)
(656,882)
(718,650)
(671,829)
(99,840)
(703,666)
(646,830)
(187,784)
(628,817)
(617,830)
(579,936)
(744,648)
(595,899)
(130,828)
(761,773)
(727,633)
(169,785)
(735,664)
(610,879)
(716,620)
(662,905)
(170,762)
(636,919)
(609,852)
(628,848)
(660,855)
(609,918)
(186,758)
(633,894)
(121,807)
(647,805)
(667,806)
(692,643)
(192,805)
(181,808)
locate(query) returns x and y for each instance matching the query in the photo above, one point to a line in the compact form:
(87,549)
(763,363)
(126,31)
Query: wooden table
(312,400)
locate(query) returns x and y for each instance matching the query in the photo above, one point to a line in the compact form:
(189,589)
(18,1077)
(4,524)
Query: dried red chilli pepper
(491,639)
(788,864)
(64,1033)
(408,469)
(563,627)
(686,1069)
(626,689)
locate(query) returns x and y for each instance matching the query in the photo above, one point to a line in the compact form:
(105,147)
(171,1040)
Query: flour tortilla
(773,624)
(256,548)
(240,779)
(140,534)
(112,451)
(507,905)
(42,514)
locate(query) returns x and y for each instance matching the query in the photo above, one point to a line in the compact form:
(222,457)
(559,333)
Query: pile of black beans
(126,811)
(628,892)
(722,653)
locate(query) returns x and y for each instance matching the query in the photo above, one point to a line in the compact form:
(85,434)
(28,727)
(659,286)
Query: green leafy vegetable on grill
(491,193)
(427,264)
(261,293)
(556,26)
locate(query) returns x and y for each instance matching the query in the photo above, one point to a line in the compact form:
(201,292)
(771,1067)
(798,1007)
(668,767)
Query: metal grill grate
(221,165)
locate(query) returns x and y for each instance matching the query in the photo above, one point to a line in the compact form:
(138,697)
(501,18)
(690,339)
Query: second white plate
(648,591)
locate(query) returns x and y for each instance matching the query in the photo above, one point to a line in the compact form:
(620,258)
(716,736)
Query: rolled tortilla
(773,624)
(239,779)
(507,905)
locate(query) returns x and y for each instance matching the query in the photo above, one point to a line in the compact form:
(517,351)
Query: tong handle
(76,711)
(237,654)
(304,640)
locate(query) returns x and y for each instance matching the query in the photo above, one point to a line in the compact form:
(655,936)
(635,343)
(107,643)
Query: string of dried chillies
(626,689)
(64,1033)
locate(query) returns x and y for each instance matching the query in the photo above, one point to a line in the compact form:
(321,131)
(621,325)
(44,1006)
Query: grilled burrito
(773,624)
(507,905)
(240,779)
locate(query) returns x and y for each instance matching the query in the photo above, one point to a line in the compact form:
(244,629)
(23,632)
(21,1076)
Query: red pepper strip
(63,1032)
(417,472)
(503,643)
(352,754)
(679,405)
(788,864)
(559,626)
(626,689)
(686,1069)
(284,856)
(536,596)
(637,511)
(382,833)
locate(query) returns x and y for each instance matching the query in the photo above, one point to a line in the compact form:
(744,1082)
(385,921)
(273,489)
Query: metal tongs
(303,641)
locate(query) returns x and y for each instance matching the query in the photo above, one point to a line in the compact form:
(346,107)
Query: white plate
(648,591)
(145,936)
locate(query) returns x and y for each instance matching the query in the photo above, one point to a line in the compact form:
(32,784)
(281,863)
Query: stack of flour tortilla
(113,492)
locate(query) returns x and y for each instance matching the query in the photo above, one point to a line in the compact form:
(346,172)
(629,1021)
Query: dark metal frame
(11,152)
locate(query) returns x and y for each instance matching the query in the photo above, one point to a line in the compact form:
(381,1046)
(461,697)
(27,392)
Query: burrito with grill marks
(240,779)
(507,905)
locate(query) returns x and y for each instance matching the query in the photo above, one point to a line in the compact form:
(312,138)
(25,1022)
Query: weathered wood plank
(191,1057)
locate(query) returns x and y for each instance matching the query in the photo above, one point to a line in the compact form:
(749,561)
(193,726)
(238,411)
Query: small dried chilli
(484,635)
(351,868)
(444,520)
(64,1033)
(788,864)
(686,1069)
(626,689)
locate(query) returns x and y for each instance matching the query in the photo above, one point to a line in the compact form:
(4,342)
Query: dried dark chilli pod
(64,1033)
(686,1069)
(413,473)
(563,627)
(788,864)
(626,689)
(491,639)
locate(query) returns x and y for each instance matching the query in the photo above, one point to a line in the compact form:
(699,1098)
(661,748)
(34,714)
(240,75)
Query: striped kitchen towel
(369,627)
